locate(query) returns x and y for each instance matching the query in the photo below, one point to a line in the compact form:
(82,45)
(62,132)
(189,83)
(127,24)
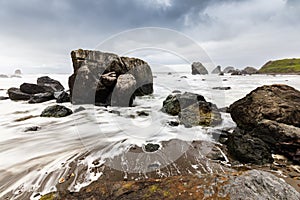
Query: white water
(27,158)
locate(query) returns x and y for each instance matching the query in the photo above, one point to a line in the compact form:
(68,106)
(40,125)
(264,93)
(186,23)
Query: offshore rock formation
(96,75)
(198,68)
(217,70)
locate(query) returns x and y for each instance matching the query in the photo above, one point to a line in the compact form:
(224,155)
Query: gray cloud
(41,33)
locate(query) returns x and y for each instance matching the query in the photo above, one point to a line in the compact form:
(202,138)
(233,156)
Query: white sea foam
(28,158)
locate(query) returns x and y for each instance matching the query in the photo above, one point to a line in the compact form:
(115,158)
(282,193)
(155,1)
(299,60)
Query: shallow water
(35,161)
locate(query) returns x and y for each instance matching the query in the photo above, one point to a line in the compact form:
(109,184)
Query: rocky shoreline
(258,159)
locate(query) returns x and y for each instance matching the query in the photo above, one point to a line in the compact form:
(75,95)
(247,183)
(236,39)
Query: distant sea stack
(217,70)
(285,66)
(249,70)
(198,68)
(18,72)
(228,69)
(97,73)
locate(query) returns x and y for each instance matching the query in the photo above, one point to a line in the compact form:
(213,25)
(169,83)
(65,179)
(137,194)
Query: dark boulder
(56,111)
(41,97)
(221,88)
(198,68)
(272,115)
(16,94)
(150,147)
(192,109)
(96,73)
(62,97)
(248,149)
(32,128)
(3,98)
(280,103)
(50,84)
(236,72)
(30,88)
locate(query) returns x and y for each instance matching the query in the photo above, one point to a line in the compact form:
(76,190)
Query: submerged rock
(221,88)
(33,128)
(16,94)
(56,111)
(198,68)
(96,75)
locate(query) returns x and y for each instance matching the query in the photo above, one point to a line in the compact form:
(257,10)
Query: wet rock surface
(270,115)
(56,111)
(192,109)
(96,74)
(17,95)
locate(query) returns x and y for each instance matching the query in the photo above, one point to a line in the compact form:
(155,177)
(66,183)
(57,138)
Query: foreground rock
(96,73)
(198,68)
(272,115)
(56,111)
(253,184)
(31,88)
(192,109)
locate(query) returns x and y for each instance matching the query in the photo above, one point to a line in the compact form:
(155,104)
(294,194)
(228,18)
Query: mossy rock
(56,111)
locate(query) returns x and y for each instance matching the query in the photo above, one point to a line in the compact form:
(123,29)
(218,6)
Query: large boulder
(249,70)
(192,109)
(56,111)
(50,84)
(30,88)
(96,73)
(198,68)
(217,70)
(16,94)
(272,114)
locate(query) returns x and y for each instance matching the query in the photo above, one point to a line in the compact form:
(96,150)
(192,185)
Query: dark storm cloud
(37,32)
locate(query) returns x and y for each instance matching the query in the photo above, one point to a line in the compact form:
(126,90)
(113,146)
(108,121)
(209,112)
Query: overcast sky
(37,36)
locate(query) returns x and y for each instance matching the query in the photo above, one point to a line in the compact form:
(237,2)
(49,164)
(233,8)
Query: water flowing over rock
(56,111)
(198,68)
(271,114)
(192,109)
(96,73)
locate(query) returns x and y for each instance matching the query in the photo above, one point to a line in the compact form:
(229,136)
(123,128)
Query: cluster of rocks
(268,122)
(192,109)
(107,79)
(45,89)
(198,68)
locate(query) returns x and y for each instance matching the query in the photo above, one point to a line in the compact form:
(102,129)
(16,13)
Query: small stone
(150,147)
